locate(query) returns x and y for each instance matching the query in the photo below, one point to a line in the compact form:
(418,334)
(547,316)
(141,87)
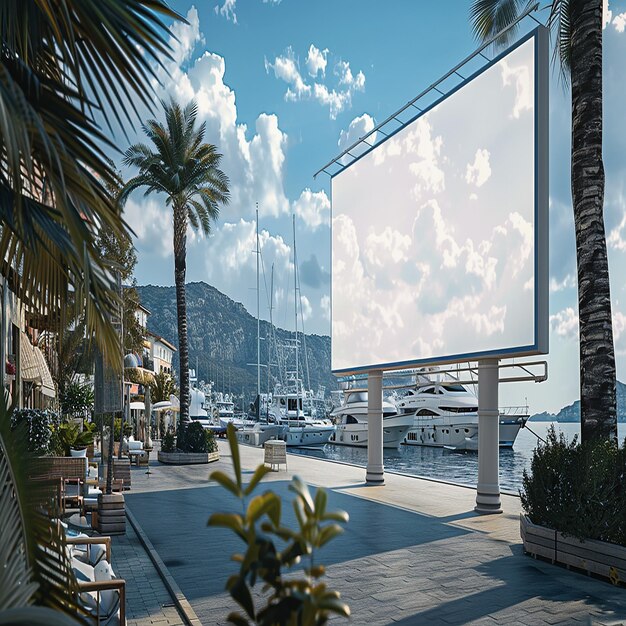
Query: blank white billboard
(439,233)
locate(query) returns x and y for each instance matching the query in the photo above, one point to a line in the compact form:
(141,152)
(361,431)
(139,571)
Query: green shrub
(69,436)
(579,490)
(38,426)
(77,400)
(295,598)
(168,444)
(211,444)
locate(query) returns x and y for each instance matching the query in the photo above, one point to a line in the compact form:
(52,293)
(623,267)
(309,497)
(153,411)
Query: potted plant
(192,445)
(574,501)
(73,441)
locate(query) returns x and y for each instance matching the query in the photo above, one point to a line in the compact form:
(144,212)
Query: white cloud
(616,238)
(343,71)
(286,68)
(520,77)
(336,101)
(313,208)
(253,161)
(229,254)
(420,143)
(316,61)
(337,98)
(359,127)
(151,222)
(619,336)
(227,10)
(390,244)
(307,309)
(567,283)
(607,14)
(619,21)
(478,173)
(565,323)
(325,307)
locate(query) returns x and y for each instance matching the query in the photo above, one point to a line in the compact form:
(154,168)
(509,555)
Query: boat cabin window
(291,404)
(454,388)
(358,396)
(389,413)
(351,420)
(426,412)
(429,390)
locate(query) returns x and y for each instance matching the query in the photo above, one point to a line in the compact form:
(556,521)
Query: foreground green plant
(578,489)
(300,601)
(34,565)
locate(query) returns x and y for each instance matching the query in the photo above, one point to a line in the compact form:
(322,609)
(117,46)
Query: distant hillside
(571,413)
(222,336)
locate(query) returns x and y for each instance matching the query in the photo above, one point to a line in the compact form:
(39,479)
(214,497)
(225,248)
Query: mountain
(222,339)
(571,413)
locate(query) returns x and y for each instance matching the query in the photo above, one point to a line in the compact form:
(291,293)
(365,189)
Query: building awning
(34,368)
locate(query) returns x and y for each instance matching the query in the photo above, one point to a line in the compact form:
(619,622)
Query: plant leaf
(226,482)
(259,473)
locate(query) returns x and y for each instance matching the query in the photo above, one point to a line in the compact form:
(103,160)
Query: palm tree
(186,170)
(63,66)
(577,27)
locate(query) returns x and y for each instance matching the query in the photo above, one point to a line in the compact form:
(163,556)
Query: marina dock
(414,551)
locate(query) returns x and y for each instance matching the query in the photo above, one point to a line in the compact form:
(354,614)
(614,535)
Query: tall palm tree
(65,65)
(577,29)
(186,170)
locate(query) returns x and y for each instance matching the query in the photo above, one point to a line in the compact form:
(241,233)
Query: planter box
(187,458)
(597,557)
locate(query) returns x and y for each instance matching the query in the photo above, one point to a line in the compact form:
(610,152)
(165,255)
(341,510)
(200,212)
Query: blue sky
(283,84)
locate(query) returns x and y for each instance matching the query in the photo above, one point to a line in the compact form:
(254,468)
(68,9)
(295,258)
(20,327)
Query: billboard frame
(540,34)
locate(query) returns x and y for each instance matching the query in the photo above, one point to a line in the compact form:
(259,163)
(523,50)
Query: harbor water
(457,467)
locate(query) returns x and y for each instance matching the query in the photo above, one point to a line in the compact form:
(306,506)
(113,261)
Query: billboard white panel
(439,233)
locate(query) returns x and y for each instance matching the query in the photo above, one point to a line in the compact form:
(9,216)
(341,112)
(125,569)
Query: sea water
(457,467)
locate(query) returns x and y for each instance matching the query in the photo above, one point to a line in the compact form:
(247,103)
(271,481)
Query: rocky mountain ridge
(222,339)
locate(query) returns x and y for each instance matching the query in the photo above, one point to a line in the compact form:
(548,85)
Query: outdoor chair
(135,451)
(102,595)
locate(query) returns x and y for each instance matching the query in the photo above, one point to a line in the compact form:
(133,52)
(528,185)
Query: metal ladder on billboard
(489,373)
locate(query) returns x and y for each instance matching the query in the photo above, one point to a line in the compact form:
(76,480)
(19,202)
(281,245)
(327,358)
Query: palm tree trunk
(180,269)
(597,357)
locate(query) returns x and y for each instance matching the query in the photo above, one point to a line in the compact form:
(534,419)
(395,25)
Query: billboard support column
(488,490)
(375,474)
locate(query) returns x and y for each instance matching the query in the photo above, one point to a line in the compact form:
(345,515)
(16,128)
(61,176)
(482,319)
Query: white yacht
(446,415)
(351,422)
(286,410)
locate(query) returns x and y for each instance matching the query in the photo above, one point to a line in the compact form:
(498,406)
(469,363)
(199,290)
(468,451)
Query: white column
(488,490)
(375,470)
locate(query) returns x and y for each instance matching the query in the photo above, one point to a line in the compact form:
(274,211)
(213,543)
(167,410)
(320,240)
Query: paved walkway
(147,599)
(413,552)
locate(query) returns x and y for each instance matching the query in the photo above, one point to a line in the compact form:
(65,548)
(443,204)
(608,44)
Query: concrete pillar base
(375,475)
(488,500)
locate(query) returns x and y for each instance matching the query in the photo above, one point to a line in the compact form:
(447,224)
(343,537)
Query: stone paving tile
(147,599)
(413,552)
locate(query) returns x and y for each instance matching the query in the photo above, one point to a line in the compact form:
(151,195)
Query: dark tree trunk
(597,357)
(180,269)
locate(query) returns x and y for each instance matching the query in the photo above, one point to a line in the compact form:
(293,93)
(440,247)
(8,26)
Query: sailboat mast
(295,308)
(258,312)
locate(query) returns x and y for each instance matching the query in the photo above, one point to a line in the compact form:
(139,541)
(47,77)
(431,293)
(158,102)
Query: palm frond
(34,566)
(559,23)
(489,17)
(63,61)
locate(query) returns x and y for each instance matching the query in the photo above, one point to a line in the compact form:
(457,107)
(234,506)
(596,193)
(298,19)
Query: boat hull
(395,430)
(307,435)
(461,436)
